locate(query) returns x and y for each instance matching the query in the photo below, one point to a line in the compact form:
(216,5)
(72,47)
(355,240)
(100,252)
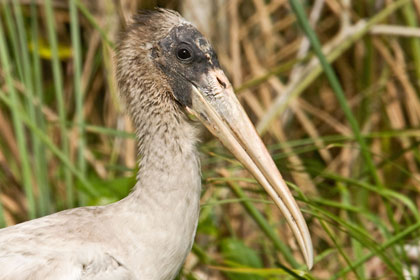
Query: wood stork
(167,71)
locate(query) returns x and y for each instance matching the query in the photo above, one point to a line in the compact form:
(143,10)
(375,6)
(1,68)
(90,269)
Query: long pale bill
(225,118)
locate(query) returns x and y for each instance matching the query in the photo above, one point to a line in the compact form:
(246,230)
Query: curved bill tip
(223,115)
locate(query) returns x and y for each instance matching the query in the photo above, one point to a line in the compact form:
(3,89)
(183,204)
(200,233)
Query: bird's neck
(169,168)
(160,216)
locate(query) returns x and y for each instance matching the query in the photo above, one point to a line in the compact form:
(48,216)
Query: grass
(337,104)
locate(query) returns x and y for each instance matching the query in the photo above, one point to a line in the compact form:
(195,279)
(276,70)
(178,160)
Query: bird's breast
(166,214)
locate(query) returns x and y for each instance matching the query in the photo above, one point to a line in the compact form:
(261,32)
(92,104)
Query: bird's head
(162,50)
(162,46)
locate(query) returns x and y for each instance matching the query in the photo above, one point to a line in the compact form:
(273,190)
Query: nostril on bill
(223,84)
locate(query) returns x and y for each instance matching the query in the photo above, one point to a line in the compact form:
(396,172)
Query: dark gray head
(162,47)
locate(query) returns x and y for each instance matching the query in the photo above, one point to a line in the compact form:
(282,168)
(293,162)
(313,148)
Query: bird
(170,79)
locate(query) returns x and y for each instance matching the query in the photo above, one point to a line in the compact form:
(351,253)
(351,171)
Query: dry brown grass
(281,85)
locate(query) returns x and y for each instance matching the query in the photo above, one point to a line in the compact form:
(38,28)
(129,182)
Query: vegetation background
(348,139)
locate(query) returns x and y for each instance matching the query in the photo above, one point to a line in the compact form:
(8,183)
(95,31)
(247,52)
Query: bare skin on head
(166,70)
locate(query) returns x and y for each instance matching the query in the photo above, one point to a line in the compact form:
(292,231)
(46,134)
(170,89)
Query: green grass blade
(390,242)
(359,233)
(339,247)
(87,186)
(2,218)
(12,32)
(59,94)
(336,86)
(92,20)
(411,19)
(278,107)
(18,126)
(38,162)
(77,58)
(263,224)
(45,203)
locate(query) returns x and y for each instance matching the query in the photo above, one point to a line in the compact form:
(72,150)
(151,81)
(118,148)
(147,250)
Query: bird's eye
(184,54)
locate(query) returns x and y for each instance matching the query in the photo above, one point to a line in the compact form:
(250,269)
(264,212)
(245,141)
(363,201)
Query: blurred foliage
(351,148)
